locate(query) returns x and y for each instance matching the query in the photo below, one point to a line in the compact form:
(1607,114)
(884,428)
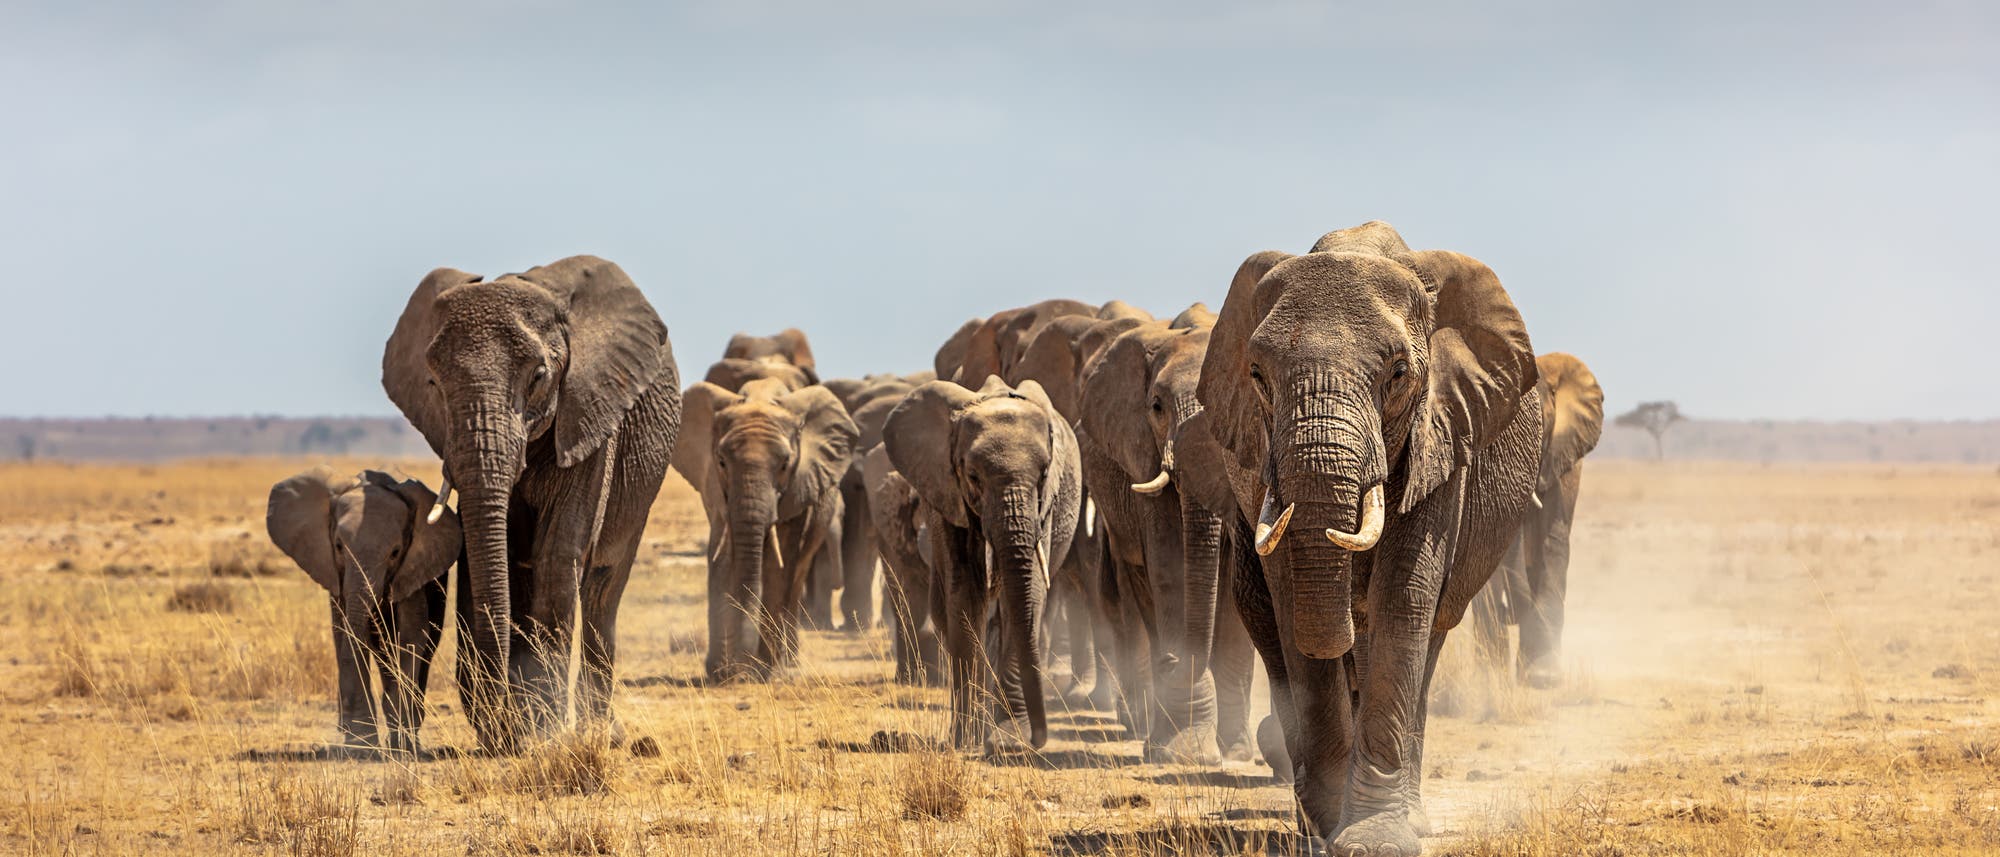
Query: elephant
(997,343)
(553,398)
(731,373)
(367,541)
(895,512)
(1001,488)
(1534,576)
(768,460)
(788,346)
(1156,474)
(851,568)
(1356,372)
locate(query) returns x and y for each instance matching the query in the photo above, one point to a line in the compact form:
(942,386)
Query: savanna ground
(1796,660)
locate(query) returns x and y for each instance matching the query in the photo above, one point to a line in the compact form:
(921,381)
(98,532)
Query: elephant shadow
(1214,779)
(1216,839)
(683,682)
(1064,760)
(348,753)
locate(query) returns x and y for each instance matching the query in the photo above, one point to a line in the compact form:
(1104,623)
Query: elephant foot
(1103,696)
(1003,742)
(1239,750)
(1191,746)
(1384,834)
(1543,674)
(1271,742)
(1420,821)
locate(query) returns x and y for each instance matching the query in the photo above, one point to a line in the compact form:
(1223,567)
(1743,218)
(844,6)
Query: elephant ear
(918,437)
(618,349)
(1120,309)
(982,351)
(1576,407)
(1115,395)
(792,343)
(1050,358)
(870,418)
(826,441)
(434,546)
(951,354)
(299,518)
(1225,388)
(406,368)
(1481,365)
(694,447)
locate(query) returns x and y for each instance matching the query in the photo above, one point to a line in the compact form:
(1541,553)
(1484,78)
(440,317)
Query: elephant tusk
(777,552)
(1270,531)
(1536,498)
(1089,517)
(1042,554)
(721,541)
(1154,485)
(1371,524)
(444,496)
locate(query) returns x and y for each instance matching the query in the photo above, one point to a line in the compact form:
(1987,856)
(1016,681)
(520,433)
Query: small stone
(1956,671)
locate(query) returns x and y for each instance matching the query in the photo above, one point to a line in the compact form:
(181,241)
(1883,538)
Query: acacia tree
(1655,418)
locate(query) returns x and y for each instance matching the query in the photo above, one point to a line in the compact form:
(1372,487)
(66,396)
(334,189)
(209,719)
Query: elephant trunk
(752,505)
(486,457)
(1332,456)
(1021,562)
(1201,534)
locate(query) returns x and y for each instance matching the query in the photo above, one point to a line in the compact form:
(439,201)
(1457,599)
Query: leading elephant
(1380,410)
(997,473)
(1534,576)
(553,397)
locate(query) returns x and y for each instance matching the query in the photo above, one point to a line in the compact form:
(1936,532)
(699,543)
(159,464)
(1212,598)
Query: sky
(1778,210)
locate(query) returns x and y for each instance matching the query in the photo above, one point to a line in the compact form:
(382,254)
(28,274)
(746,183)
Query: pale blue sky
(219,207)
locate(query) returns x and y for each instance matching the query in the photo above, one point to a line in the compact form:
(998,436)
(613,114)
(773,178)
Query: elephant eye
(1402,368)
(1156,404)
(1257,380)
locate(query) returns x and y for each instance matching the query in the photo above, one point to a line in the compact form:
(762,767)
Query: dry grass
(1787,660)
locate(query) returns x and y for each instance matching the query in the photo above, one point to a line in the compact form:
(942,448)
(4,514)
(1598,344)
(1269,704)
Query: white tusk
(1536,498)
(444,496)
(1155,485)
(721,541)
(1270,532)
(777,553)
(1089,517)
(1371,524)
(1042,553)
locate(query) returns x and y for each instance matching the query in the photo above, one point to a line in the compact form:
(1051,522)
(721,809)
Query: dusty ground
(1763,660)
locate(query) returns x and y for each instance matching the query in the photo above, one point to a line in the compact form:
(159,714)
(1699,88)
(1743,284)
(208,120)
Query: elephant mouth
(1273,523)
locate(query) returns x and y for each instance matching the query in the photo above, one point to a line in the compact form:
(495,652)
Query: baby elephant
(374,543)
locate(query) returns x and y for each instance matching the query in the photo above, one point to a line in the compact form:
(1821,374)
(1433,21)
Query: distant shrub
(203,597)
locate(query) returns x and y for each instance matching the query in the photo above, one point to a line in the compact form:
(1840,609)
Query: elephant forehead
(1000,427)
(754,418)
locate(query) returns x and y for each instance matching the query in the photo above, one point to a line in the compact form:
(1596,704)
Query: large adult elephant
(998,476)
(768,460)
(553,398)
(852,570)
(1534,576)
(1155,473)
(1380,410)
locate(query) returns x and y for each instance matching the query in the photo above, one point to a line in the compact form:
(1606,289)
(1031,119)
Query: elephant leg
(1514,581)
(909,597)
(1413,773)
(965,623)
(353,638)
(416,624)
(603,591)
(541,669)
(857,550)
(1260,624)
(1548,575)
(1232,663)
(825,578)
(1402,610)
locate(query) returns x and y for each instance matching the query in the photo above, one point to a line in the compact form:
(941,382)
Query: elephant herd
(1077,503)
